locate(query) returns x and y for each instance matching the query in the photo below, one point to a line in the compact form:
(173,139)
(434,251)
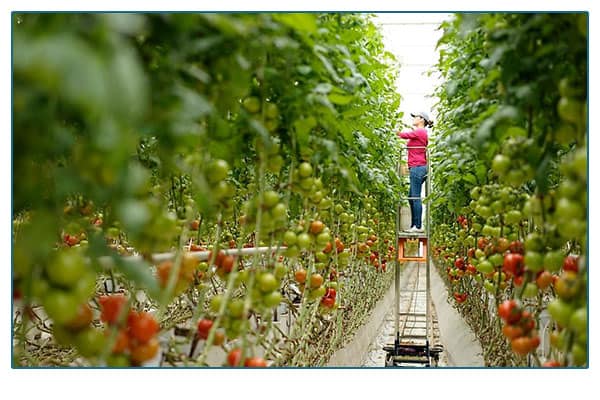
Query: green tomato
(85,287)
(560,311)
(305,170)
(496,259)
(270,198)
(272,299)
(267,282)
(530,291)
(68,268)
(579,354)
(304,241)
(217,171)
(289,238)
(570,109)
(280,270)
(579,320)
(215,303)
(501,164)
(236,308)
(251,104)
(534,261)
(485,266)
(513,217)
(90,342)
(61,306)
(553,260)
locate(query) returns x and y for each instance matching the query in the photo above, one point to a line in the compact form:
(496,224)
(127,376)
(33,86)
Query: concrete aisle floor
(413,277)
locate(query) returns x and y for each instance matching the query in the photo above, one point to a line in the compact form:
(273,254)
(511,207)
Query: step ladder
(413,350)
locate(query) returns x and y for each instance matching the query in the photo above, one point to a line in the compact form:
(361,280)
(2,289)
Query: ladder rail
(427,255)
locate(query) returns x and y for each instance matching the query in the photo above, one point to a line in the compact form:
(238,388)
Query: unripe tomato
(305,170)
(61,306)
(83,318)
(568,285)
(90,342)
(68,267)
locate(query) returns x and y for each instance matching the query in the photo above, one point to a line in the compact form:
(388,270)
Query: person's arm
(408,135)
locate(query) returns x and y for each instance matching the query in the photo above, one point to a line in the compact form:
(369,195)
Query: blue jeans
(417,177)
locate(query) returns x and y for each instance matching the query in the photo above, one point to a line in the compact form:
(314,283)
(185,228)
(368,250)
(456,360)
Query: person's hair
(428,124)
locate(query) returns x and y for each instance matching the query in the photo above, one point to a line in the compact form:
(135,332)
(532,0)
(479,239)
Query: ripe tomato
(142,326)
(510,311)
(571,264)
(255,362)
(522,345)
(516,247)
(111,307)
(121,341)
(316,280)
(234,357)
(163,271)
(551,364)
(514,264)
(459,263)
(227,263)
(300,275)
(512,331)
(194,225)
(204,326)
(328,302)
(142,352)
(316,227)
(543,279)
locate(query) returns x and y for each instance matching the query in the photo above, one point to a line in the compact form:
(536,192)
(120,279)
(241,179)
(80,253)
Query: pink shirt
(418,137)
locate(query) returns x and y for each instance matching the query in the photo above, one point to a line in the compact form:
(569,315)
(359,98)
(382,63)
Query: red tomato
(255,362)
(142,326)
(459,263)
(510,311)
(551,364)
(234,357)
(204,326)
(514,264)
(570,263)
(328,302)
(111,306)
(516,247)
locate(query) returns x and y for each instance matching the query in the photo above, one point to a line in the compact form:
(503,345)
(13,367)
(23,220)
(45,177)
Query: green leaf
(340,99)
(299,21)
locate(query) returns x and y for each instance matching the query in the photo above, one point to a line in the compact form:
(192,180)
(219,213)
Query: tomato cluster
(519,327)
(133,334)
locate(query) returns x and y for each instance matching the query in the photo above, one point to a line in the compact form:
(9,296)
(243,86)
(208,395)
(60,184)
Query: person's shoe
(414,229)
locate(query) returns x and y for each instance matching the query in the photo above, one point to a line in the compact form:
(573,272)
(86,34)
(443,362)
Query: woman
(417,165)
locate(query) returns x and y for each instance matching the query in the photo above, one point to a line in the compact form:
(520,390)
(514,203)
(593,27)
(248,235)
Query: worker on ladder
(417,165)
